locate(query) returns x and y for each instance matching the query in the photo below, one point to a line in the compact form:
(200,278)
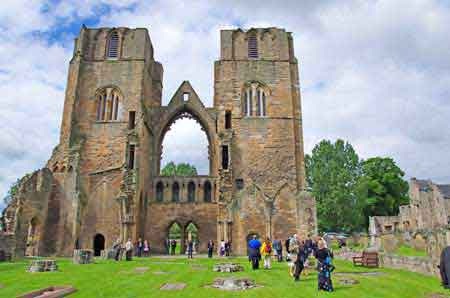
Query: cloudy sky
(375,73)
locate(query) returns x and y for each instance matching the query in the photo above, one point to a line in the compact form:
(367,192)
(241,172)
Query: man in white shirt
(129,249)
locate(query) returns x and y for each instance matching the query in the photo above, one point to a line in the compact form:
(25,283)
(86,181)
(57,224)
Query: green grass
(408,251)
(109,279)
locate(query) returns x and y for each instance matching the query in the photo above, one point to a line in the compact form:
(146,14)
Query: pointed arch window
(113,45)
(108,104)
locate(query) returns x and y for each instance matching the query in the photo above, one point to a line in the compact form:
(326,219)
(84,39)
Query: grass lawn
(408,251)
(111,279)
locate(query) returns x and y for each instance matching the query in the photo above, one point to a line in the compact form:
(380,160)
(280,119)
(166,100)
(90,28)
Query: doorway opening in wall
(191,234)
(184,149)
(33,238)
(99,244)
(174,239)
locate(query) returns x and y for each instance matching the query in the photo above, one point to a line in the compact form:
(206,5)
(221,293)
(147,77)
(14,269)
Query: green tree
(14,188)
(383,187)
(333,172)
(182,169)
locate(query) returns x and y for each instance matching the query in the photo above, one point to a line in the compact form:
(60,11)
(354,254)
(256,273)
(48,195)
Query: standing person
(210,248)
(309,245)
(444,267)
(222,248)
(302,255)
(146,249)
(254,246)
(140,247)
(286,244)
(118,249)
(266,252)
(278,247)
(129,250)
(190,249)
(324,266)
(173,246)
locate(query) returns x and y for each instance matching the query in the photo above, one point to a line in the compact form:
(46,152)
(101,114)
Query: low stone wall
(8,244)
(424,265)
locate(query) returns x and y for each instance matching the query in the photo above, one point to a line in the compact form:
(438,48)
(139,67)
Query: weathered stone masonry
(104,176)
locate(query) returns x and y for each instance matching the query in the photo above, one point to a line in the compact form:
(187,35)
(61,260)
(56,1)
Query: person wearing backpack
(266,253)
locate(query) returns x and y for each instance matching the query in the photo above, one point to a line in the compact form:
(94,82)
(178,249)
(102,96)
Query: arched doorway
(33,237)
(174,237)
(191,234)
(99,244)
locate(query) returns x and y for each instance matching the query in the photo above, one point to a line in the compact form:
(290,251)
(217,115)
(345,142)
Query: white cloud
(376,73)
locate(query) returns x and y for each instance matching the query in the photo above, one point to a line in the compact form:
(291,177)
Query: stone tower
(257,98)
(103,182)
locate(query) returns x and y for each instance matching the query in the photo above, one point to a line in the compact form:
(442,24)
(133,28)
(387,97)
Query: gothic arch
(192,108)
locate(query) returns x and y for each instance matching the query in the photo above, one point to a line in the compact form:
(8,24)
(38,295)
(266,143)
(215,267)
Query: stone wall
(8,244)
(422,265)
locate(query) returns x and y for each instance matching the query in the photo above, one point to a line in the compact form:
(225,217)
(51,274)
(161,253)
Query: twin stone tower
(103,179)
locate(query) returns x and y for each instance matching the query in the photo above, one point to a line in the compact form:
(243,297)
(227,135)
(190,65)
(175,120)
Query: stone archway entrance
(175,242)
(99,244)
(191,233)
(33,237)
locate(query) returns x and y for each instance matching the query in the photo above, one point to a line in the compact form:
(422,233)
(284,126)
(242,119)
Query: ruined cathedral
(103,182)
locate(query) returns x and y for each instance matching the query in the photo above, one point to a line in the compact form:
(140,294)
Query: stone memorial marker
(233,284)
(173,287)
(50,292)
(83,256)
(228,267)
(42,266)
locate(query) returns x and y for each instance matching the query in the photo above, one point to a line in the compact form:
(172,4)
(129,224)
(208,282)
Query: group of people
(298,252)
(171,246)
(141,249)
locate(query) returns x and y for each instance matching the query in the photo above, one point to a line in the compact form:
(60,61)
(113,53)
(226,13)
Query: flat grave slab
(172,287)
(374,273)
(228,267)
(141,270)
(163,272)
(233,284)
(50,292)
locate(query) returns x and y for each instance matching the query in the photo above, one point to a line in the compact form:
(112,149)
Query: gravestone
(42,266)
(233,284)
(83,256)
(347,281)
(228,267)
(50,292)
(173,287)
(141,270)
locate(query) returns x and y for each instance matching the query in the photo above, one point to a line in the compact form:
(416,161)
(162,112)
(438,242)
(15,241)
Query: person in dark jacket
(190,249)
(210,248)
(254,246)
(173,246)
(286,244)
(444,267)
(302,255)
(324,266)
